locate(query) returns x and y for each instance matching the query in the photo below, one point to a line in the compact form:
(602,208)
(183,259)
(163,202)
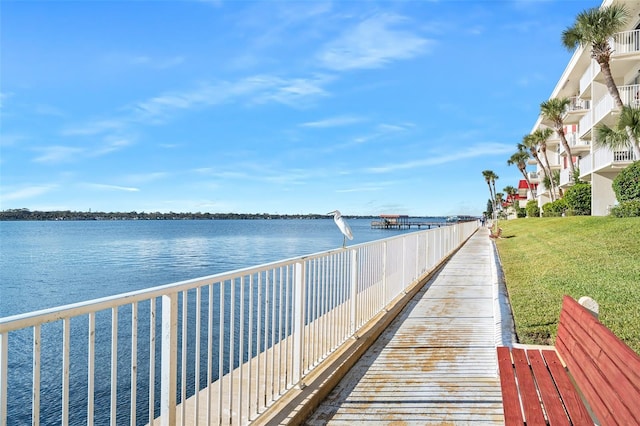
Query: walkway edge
(321,381)
(504,326)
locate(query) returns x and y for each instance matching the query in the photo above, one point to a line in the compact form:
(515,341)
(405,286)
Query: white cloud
(28,192)
(344,120)
(101,186)
(489,149)
(57,154)
(372,44)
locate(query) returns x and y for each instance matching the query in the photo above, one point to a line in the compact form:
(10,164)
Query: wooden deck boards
(437,362)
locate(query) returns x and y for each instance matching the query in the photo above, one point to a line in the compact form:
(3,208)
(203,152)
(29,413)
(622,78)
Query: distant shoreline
(62,215)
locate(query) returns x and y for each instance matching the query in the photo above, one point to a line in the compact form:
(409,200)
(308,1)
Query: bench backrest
(605,369)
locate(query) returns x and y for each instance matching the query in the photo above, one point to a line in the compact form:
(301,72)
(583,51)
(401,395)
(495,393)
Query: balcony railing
(584,164)
(565,177)
(578,105)
(220,348)
(533,175)
(585,81)
(625,42)
(604,157)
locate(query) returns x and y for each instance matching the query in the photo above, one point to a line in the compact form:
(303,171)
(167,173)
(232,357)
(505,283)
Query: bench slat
(572,401)
(547,388)
(510,398)
(604,368)
(530,401)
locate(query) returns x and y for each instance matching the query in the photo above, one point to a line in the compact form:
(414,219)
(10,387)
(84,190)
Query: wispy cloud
(489,149)
(145,177)
(106,187)
(373,43)
(344,120)
(57,154)
(28,192)
(382,130)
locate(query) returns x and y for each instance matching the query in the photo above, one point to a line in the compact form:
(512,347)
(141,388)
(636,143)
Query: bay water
(54,263)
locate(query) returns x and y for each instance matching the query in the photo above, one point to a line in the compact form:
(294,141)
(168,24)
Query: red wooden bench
(595,378)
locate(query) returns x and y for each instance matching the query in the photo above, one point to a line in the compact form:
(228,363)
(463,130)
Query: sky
(282,107)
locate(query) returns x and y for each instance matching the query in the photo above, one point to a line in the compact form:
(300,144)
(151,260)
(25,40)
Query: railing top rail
(43,316)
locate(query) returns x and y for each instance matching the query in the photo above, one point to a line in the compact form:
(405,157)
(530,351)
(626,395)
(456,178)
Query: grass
(546,258)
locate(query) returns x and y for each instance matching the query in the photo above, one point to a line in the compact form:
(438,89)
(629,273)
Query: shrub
(532,208)
(627,184)
(521,212)
(578,199)
(555,208)
(627,209)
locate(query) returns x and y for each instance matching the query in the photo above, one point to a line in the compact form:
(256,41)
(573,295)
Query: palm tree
(519,158)
(490,177)
(595,27)
(616,137)
(540,137)
(488,174)
(553,110)
(511,193)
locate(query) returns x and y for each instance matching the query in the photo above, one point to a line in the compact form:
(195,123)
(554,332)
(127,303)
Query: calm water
(48,264)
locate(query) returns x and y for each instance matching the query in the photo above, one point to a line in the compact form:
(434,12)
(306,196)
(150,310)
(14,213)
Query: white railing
(215,350)
(565,177)
(630,94)
(585,124)
(603,157)
(603,107)
(592,70)
(578,104)
(625,42)
(584,164)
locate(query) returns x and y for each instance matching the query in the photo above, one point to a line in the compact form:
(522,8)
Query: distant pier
(398,221)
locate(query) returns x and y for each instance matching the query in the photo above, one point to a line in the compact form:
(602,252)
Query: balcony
(625,46)
(584,164)
(576,144)
(533,176)
(606,160)
(576,109)
(565,177)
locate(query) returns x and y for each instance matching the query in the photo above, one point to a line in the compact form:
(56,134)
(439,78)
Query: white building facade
(591,105)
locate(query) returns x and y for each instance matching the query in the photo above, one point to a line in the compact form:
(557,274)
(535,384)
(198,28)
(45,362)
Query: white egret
(343,226)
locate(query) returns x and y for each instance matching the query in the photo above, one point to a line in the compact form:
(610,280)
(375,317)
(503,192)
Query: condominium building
(591,105)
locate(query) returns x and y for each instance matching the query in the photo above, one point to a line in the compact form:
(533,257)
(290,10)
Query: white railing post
(404,263)
(354,292)
(384,273)
(4,343)
(169,363)
(298,322)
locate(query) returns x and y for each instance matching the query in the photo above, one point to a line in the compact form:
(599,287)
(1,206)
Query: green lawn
(545,258)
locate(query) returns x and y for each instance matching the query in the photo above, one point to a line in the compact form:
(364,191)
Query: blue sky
(280,107)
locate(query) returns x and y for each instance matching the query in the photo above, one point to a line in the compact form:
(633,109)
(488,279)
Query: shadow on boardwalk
(436,363)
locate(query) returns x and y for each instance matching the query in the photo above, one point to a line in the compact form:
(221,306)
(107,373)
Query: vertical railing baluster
(259,311)
(183,359)
(196,394)
(35,395)
(241,353)
(134,360)
(152,358)
(169,362)
(221,350)
(4,354)
(354,291)
(91,362)
(209,354)
(273,333)
(250,362)
(114,366)
(288,336)
(264,337)
(298,322)
(66,345)
(232,348)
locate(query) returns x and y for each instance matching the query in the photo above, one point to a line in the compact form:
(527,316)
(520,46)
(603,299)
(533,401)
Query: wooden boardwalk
(436,363)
